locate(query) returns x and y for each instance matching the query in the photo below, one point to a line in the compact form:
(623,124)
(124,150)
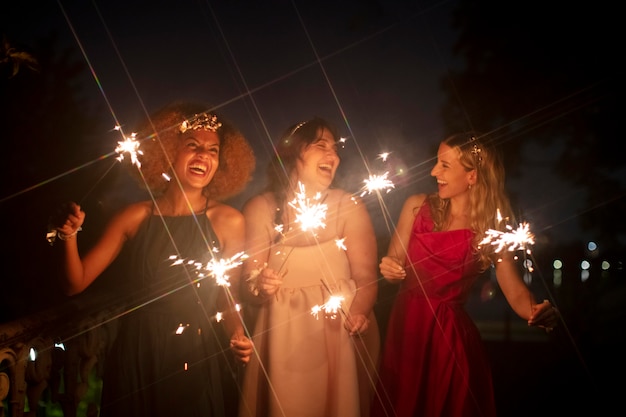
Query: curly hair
(160,136)
(486,197)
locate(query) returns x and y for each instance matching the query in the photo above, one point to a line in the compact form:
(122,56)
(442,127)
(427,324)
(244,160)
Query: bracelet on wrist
(61,236)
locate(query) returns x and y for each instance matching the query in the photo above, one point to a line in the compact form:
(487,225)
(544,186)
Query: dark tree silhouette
(547,72)
(48,129)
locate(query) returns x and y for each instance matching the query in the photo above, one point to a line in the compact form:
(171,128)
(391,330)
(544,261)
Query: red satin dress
(434,362)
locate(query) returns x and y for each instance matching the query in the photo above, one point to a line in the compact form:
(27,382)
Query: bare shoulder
(127,220)
(260,203)
(224,214)
(414,201)
(135,213)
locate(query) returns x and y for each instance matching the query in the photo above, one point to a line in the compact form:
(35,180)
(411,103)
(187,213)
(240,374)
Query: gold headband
(206,121)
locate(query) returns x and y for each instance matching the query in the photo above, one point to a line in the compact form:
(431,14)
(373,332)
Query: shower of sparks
(310,215)
(218,268)
(384,156)
(515,239)
(330,308)
(341,243)
(377,182)
(130,146)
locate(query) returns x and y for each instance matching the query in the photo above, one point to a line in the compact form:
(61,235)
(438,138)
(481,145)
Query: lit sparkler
(384,156)
(341,243)
(513,240)
(310,215)
(377,182)
(330,307)
(216,267)
(130,146)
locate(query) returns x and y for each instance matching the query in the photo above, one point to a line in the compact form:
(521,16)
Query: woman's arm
(361,249)
(392,266)
(260,282)
(229,225)
(79,273)
(519,297)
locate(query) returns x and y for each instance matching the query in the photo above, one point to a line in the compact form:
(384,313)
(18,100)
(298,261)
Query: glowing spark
(181,328)
(377,182)
(218,268)
(340,243)
(330,308)
(131,146)
(310,215)
(515,239)
(384,156)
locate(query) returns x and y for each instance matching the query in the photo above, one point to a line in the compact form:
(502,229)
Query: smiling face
(318,162)
(197,158)
(452,178)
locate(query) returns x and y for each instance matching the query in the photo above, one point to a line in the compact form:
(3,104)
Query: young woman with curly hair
(171,353)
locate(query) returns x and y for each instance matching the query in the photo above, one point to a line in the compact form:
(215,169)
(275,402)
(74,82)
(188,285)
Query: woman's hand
(68,219)
(391,269)
(242,348)
(357,324)
(265,282)
(544,315)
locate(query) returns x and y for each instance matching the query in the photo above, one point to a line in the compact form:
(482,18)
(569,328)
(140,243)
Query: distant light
(605,265)
(32,354)
(591,246)
(59,345)
(180,329)
(528,264)
(557,264)
(584,275)
(528,278)
(585,265)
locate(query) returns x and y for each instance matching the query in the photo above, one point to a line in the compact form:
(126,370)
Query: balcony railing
(51,357)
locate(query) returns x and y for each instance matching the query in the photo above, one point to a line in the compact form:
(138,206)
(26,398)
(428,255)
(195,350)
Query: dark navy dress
(152,369)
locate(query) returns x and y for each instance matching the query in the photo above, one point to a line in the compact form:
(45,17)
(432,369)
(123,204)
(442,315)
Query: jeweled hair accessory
(206,121)
(476,150)
(298,126)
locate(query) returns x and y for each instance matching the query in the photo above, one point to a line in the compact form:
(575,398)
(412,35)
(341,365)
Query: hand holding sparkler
(544,315)
(65,223)
(241,347)
(264,281)
(391,269)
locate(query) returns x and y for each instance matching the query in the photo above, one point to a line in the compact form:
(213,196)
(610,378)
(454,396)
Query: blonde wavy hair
(160,137)
(486,197)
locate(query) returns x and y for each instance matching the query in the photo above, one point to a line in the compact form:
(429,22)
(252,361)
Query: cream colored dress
(308,366)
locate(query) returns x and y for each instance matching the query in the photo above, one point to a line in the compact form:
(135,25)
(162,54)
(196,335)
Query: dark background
(542,78)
